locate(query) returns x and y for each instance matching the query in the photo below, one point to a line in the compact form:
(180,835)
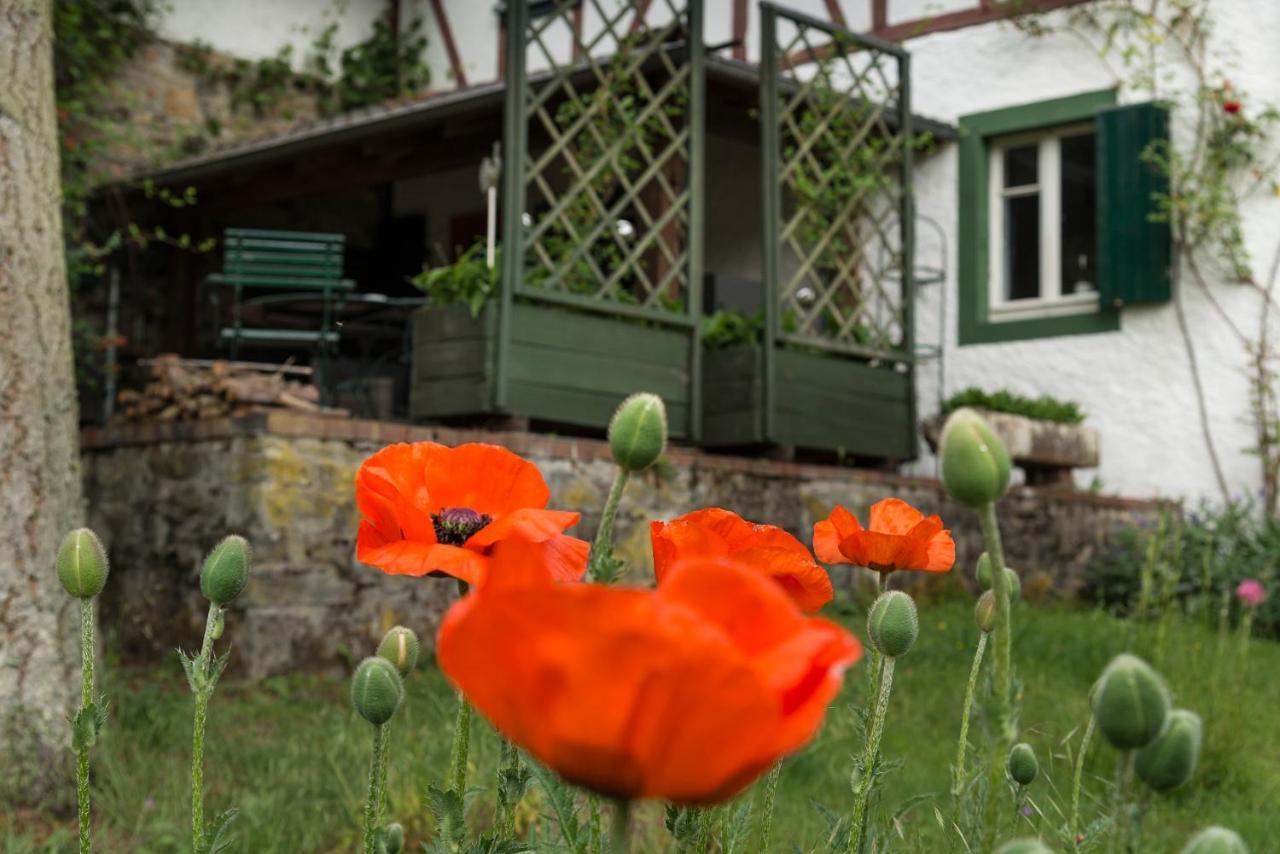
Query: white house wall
(1135,384)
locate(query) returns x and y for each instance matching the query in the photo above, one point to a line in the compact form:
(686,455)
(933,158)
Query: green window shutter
(1134,253)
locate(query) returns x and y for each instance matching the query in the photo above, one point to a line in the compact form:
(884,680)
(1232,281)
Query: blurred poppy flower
(898,537)
(1231,106)
(713,532)
(1251,592)
(430,509)
(686,693)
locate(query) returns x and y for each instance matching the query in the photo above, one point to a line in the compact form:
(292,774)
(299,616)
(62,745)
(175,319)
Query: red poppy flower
(1231,107)
(430,509)
(686,693)
(720,533)
(898,537)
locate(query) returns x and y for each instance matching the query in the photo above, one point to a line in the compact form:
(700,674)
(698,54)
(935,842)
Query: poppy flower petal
(874,549)
(893,516)
(678,539)
(527,523)
(739,534)
(805,582)
(828,533)
(391,492)
(411,557)
(486,478)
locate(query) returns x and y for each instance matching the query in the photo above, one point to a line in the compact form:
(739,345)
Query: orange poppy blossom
(713,532)
(433,510)
(686,693)
(898,537)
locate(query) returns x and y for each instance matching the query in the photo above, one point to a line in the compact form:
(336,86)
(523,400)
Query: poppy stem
(621,827)
(458,757)
(86,700)
(866,779)
(1075,783)
(373,805)
(508,772)
(602,547)
(202,667)
(1123,809)
(1005,733)
(959,770)
(764,815)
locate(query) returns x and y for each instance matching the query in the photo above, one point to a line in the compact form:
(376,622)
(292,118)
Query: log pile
(180,389)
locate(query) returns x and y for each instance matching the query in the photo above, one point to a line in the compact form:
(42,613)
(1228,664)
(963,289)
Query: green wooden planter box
(823,402)
(565,366)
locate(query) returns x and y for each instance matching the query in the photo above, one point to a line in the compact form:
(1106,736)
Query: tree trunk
(40,488)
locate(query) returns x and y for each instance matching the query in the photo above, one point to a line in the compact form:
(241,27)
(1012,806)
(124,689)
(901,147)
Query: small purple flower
(149,804)
(1251,592)
(1026,810)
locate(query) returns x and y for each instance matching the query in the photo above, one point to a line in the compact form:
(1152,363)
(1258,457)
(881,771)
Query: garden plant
(692,690)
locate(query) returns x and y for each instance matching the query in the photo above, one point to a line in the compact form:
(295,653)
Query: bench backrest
(259,258)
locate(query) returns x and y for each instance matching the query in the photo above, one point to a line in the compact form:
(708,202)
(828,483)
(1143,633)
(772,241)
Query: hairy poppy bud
(82,564)
(892,623)
(1130,702)
(1216,840)
(638,432)
(226,570)
(975,463)
(401,648)
(1022,764)
(984,613)
(1170,760)
(1013,582)
(393,838)
(1024,846)
(376,690)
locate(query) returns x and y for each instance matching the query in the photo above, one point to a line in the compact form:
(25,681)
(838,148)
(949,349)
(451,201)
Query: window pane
(1020,165)
(1079,234)
(1022,247)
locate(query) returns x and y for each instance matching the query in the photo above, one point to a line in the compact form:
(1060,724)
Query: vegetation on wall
(468,280)
(1225,158)
(1043,408)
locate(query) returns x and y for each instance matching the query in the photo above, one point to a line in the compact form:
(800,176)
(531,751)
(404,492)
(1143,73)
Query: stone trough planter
(1046,451)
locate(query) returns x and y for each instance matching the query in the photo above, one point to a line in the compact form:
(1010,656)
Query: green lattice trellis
(608,135)
(837,139)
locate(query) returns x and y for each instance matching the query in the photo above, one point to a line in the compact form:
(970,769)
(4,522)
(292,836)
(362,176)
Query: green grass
(292,756)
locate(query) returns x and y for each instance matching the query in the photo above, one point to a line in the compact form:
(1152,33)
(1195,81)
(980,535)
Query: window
(1043,238)
(1055,225)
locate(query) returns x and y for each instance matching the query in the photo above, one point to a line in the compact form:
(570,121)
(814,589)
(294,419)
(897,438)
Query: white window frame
(1052,302)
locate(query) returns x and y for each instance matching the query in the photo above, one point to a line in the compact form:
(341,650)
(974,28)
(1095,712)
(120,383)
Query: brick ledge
(308,426)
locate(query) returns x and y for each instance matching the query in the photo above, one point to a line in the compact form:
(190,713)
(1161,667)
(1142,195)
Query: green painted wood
(1134,253)
(597,333)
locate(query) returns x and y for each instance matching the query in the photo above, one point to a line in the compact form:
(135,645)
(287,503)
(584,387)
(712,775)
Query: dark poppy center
(455,525)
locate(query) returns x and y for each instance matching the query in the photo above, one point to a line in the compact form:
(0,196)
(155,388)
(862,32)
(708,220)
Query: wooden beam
(740,29)
(642,9)
(879,15)
(835,13)
(577,32)
(446,33)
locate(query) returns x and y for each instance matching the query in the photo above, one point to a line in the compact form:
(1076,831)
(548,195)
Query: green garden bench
(291,265)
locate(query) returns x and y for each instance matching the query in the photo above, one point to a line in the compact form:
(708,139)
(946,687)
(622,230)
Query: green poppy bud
(892,623)
(1216,840)
(376,690)
(82,564)
(1013,581)
(1022,764)
(1130,702)
(226,570)
(393,838)
(1024,846)
(1170,760)
(975,463)
(638,432)
(984,613)
(401,648)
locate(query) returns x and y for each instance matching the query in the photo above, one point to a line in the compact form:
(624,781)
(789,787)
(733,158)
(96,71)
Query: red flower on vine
(1231,106)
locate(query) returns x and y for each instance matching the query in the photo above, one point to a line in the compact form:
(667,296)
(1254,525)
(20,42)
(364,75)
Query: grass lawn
(292,757)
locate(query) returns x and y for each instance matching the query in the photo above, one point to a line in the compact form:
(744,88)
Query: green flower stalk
(376,693)
(401,647)
(637,438)
(222,578)
(620,833)
(892,626)
(1074,822)
(82,569)
(975,469)
(459,754)
(764,812)
(984,615)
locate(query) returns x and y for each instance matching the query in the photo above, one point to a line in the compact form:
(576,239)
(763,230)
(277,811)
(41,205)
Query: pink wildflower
(1251,592)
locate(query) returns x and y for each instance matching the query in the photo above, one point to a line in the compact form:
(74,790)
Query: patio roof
(428,110)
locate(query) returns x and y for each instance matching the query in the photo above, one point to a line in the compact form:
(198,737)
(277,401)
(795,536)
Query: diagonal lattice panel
(838,145)
(608,154)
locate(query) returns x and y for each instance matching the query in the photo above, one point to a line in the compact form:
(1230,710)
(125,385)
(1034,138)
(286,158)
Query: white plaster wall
(1134,384)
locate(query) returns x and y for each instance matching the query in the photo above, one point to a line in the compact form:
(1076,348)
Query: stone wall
(161,495)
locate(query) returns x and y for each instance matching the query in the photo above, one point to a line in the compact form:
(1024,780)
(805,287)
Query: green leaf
(84,728)
(218,836)
(445,807)
(561,797)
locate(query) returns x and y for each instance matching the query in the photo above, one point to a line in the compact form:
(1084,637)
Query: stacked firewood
(180,389)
